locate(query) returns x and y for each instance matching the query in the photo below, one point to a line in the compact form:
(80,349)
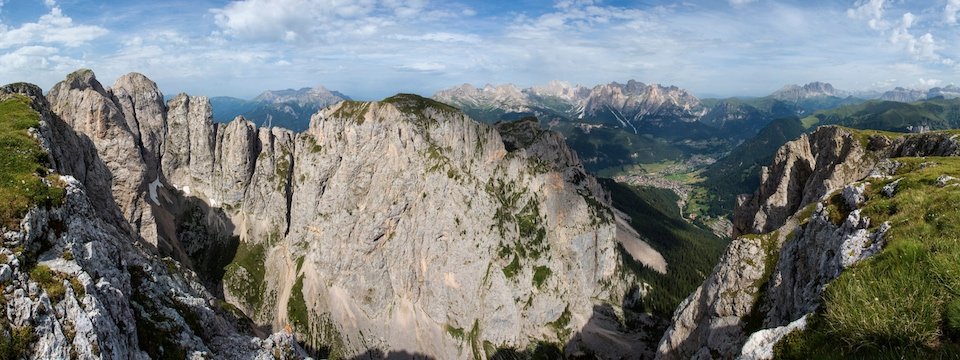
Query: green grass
(51,281)
(540,275)
(297,311)
(905,301)
(561,324)
(513,268)
(17,344)
(455,332)
(244,276)
(22,170)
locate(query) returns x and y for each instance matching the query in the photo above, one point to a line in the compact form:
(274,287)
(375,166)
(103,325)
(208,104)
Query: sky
(370,49)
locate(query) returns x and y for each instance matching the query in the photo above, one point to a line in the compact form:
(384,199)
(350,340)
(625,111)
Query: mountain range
(290,109)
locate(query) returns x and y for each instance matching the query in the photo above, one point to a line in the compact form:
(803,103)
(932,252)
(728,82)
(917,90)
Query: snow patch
(153,190)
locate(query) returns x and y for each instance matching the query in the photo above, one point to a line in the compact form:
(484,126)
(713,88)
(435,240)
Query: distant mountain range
(288,108)
(618,124)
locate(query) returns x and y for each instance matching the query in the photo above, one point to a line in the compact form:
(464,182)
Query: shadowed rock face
(401,225)
(78,283)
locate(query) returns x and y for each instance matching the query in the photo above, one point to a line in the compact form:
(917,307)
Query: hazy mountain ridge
(913,95)
(287,108)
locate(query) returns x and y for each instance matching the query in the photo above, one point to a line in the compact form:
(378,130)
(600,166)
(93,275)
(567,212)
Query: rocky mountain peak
(83,79)
(796,93)
(317,96)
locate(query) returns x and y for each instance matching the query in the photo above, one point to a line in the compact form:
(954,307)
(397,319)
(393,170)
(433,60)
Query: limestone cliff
(75,283)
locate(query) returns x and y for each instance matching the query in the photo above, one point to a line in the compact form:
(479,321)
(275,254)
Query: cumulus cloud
(291,20)
(951,10)
(36,58)
(425,67)
(924,47)
(446,37)
(870,10)
(52,28)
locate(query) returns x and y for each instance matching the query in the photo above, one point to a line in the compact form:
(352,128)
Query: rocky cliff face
(805,170)
(76,283)
(399,225)
(802,228)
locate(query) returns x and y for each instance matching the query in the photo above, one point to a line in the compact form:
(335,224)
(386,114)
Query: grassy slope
(905,301)
(690,251)
(22,185)
(22,170)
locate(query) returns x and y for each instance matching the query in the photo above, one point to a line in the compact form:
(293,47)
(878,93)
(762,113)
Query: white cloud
(441,37)
(951,10)
(52,28)
(871,10)
(328,20)
(928,83)
(36,58)
(925,47)
(427,67)
(741,2)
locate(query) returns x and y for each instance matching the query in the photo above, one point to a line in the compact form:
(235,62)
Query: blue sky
(374,48)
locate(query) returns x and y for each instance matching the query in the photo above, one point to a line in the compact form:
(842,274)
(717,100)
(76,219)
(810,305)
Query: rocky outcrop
(80,286)
(807,169)
(83,104)
(806,230)
(399,225)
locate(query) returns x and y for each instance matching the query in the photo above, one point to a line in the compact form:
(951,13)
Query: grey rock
(890,189)
(943,180)
(6,274)
(853,195)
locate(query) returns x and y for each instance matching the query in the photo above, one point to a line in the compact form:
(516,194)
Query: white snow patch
(153,190)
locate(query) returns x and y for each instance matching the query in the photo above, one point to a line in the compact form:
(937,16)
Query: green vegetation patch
(24,180)
(15,342)
(540,275)
(905,301)
(297,311)
(455,332)
(52,282)
(244,276)
(562,323)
